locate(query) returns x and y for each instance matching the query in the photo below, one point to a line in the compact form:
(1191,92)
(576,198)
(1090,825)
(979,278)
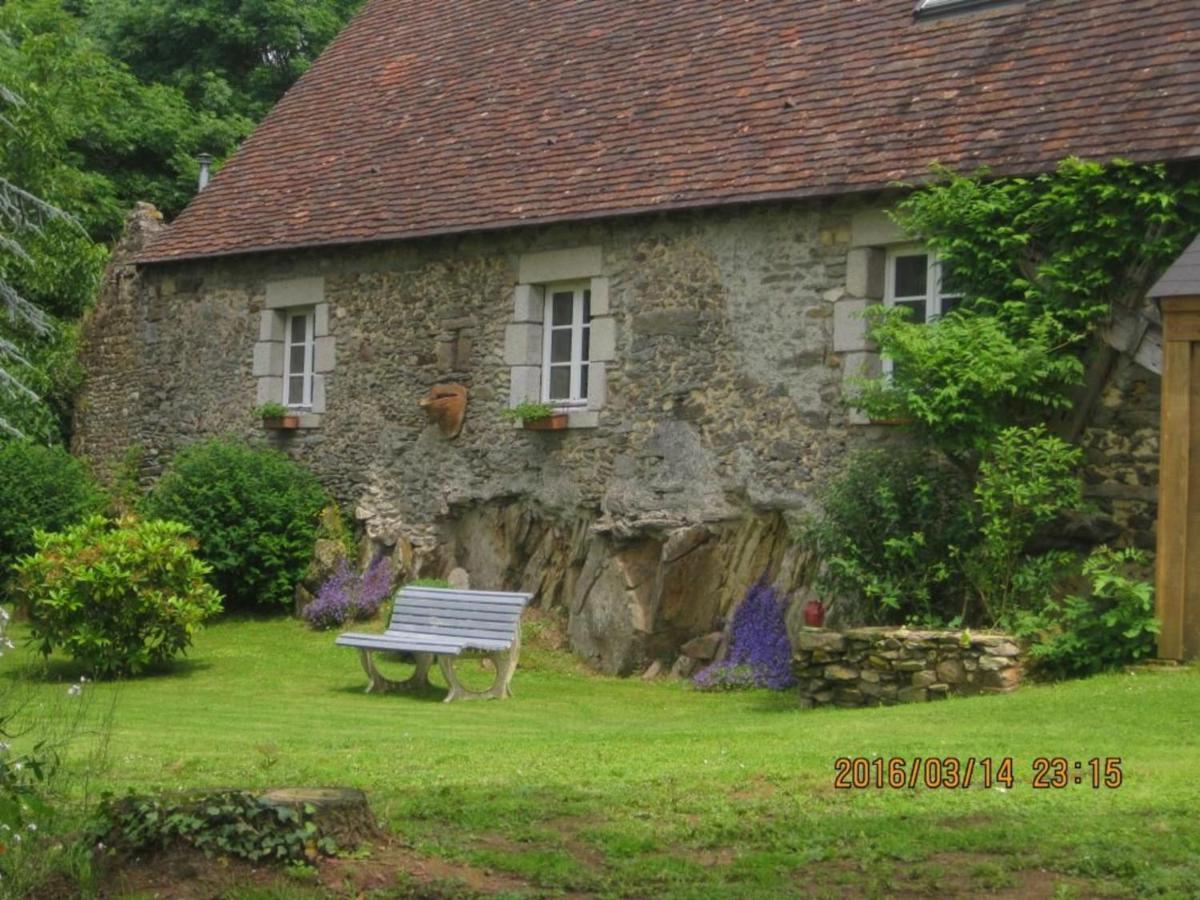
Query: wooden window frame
(305,402)
(581,291)
(934,297)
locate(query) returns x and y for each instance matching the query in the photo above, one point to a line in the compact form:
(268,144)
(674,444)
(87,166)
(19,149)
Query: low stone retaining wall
(870,666)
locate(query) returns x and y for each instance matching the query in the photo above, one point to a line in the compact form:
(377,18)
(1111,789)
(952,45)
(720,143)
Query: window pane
(299,329)
(560,383)
(918,310)
(560,346)
(296,390)
(583,383)
(587,344)
(297,355)
(587,307)
(564,308)
(912,275)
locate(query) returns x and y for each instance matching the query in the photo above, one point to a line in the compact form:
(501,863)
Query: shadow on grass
(62,671)
(432,694)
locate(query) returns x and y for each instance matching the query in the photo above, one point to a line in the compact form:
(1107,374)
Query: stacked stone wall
(724,410)
(1121,447)
(874,666)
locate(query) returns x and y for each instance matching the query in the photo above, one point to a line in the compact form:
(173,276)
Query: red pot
(814,614)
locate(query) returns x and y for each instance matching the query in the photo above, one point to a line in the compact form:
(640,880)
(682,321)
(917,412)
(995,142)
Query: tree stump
(340,813)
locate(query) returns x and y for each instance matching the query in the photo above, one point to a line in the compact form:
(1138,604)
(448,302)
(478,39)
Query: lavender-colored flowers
(350,597)
(760,653)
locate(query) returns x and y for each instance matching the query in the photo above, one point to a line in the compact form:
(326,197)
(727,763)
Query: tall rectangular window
(298,359)
(567,344)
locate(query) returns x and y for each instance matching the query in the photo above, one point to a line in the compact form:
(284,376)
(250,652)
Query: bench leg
(376,683)
(504,663)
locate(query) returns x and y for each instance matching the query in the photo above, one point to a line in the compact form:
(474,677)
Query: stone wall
(1121,447)
(722,410)
(872,666)
(722,413)
(110,406)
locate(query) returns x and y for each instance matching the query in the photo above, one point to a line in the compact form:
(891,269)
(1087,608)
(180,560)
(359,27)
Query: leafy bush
(1069,243)
(232,823)
(1027,480)
(886,533)
(350,597)
(119,598)
(960,378)
(41,488)
(254,512)
(760,652)
(1112,625)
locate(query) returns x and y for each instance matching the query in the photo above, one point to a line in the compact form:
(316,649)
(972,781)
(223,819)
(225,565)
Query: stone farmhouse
(664,218)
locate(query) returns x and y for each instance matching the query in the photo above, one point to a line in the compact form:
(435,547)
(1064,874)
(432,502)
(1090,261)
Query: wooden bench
(443,624)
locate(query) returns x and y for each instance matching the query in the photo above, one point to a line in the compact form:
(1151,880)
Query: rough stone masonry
(874,666)
(719,414)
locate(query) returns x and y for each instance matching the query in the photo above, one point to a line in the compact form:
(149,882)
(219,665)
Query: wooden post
(1178,563)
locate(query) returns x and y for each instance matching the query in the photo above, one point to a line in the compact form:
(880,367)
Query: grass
(626,788)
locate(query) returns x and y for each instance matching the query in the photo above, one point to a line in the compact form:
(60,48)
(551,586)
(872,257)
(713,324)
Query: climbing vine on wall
(1044,263)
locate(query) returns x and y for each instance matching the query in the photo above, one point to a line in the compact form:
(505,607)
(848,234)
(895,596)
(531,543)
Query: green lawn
(625,788)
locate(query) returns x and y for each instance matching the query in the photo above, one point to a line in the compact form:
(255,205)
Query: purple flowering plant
(760,652)
(349,596)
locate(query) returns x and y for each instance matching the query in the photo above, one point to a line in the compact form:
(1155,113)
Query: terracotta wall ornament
(446,404)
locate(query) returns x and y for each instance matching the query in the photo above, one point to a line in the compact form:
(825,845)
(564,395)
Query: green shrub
(254,512)
(960,378)
(1026,481)
(118,597)
(886,532)
(1112,625)
(41,488)
(232,823)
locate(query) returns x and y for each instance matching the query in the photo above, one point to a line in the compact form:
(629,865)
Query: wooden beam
(1178,583)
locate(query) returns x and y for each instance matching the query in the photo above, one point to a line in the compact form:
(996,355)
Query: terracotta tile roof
(440,116)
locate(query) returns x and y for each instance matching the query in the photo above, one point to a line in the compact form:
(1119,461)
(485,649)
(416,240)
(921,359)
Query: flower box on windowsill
(556,422)
(282,423)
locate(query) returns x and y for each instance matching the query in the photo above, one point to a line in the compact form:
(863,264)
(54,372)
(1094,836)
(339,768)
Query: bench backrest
(446,612)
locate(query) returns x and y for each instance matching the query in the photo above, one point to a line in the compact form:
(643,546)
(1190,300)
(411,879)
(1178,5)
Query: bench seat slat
(476,641)
(479,598)
(454,618)
(459,610)
(458,636)
(427,644)
(435,624)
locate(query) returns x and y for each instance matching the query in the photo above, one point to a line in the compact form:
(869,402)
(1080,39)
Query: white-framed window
(916,279)
(298,353)
(566,344)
